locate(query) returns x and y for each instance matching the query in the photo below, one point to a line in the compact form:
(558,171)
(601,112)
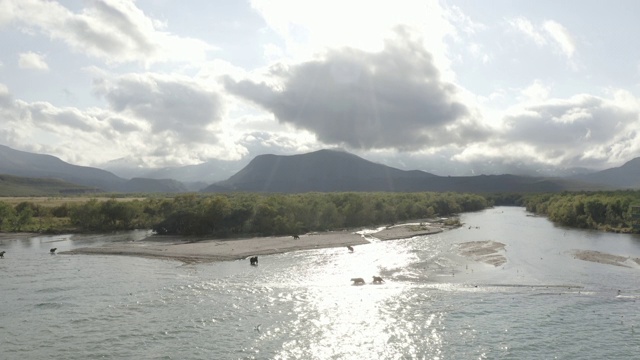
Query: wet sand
(205,250)
(489,252)
(608,259)
(493,253)
(16,236)
(187,250)
(407,231)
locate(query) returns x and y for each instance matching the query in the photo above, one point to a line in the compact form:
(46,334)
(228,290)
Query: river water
(541,304)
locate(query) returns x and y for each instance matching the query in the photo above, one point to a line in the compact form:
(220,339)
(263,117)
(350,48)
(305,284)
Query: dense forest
(226,215)
(608,211)
(229,215)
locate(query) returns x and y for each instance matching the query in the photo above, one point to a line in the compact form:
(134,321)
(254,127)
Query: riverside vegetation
(233,215)
(250,214)
(603,210)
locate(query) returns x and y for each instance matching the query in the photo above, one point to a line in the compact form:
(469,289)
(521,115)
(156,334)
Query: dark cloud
(168,104)
(390,99)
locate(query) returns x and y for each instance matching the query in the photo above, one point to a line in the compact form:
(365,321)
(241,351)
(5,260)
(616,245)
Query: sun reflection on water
(339,320)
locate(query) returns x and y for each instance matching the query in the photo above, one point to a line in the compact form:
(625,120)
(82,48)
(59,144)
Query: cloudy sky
(450,87)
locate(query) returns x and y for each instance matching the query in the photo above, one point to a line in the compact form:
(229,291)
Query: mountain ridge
(326,170)
(332,170)
(31,165)
(626,176)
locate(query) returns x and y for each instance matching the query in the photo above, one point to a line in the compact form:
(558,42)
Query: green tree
(22,218)
(7,214)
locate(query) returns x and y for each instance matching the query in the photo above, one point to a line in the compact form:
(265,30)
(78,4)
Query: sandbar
(608,259)
(489,252)
(206,250)
(188,250)
(397,232)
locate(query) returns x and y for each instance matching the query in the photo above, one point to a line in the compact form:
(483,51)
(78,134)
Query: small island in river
(203,250)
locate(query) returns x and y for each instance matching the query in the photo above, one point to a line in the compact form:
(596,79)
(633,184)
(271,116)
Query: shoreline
(202,249)
(210,250)
(187,250)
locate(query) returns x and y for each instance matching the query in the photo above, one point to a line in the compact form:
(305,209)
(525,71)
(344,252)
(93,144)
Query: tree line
(228,215)
(225,215)
(605,210)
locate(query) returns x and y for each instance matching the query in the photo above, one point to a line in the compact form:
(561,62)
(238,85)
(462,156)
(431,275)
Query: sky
(449,87)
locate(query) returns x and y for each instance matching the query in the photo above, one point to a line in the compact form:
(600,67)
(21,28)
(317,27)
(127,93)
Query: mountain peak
(322,170)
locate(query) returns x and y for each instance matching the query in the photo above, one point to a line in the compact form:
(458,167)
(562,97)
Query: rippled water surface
(541,304)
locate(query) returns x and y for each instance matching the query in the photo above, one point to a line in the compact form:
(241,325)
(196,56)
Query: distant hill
(142,185)
(192,175)
(29,165)
(333,171)
(25,164)
(21,186)
(626,176)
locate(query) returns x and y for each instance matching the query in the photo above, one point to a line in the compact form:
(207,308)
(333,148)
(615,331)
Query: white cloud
(464,22)
(162,121)
(31,60)
(335,23)
(309,27)
(171,105)
(550,33)
(581,130)
(562,37)
(114,30)
(536,92)
(526,27)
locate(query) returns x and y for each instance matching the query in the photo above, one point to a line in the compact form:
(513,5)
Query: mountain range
(331,170)
(30,165)
(320,171)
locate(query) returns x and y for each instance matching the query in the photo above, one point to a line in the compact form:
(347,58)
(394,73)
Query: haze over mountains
(30,165)
(330,170)
(322,171)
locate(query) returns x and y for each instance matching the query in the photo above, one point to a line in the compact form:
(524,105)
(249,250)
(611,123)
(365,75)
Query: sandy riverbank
(206,250)
(202,250)
(16,236)
(220,250)
(407,231)
(608,259)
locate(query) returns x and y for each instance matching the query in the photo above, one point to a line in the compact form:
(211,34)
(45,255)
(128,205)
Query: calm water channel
(541,304)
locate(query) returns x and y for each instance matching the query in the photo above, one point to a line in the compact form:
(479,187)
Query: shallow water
(542,304)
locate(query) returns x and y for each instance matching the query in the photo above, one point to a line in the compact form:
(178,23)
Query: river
(543,303)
